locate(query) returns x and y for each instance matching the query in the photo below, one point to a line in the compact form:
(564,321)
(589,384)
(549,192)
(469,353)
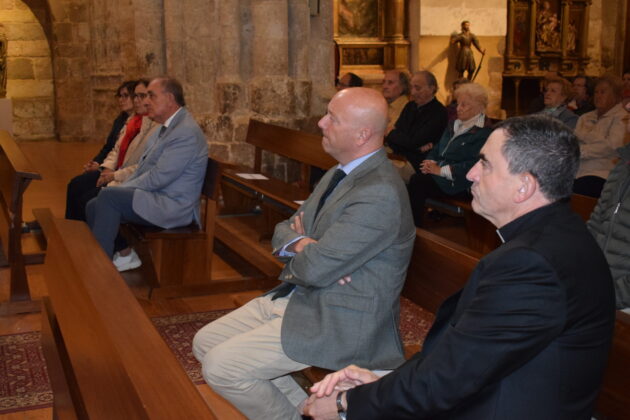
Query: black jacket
(527,338)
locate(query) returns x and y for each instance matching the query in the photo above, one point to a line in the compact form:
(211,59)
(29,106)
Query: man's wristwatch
(340,410)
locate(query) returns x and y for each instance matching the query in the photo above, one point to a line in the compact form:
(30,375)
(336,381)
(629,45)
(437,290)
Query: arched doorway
(29,69)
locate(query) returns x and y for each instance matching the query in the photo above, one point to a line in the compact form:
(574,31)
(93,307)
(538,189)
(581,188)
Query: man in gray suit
(164,190)
(346,252)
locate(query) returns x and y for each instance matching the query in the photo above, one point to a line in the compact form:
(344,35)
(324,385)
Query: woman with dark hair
(87,180)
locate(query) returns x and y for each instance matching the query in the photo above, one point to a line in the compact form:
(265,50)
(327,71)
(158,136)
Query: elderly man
(346,252)
(528,336)
(396,93)
(421,122)
(164,190)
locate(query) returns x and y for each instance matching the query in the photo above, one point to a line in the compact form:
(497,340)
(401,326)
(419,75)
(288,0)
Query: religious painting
(358,18)
(521,31)
(362,56)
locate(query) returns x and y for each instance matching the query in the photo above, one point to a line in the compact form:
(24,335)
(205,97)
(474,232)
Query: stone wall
(29,73)
(607,35)
(237,59)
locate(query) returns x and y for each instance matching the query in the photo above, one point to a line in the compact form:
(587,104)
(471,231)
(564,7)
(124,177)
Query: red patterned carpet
(24,379)
(23,376)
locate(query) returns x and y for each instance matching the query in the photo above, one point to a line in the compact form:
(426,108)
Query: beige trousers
(242,360)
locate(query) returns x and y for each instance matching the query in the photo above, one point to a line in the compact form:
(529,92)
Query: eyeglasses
(140,95)
(123,95)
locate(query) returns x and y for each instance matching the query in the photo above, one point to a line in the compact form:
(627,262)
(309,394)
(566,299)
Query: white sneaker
(128,262)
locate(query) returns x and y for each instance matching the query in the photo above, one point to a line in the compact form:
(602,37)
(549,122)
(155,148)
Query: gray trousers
(242,360)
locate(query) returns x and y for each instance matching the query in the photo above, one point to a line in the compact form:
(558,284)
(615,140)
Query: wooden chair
(179,261)
(16,173)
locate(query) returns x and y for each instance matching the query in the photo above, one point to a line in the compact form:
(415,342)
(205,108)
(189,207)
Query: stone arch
(30,69)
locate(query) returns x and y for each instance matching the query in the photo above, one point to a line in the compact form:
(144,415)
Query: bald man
(346,252)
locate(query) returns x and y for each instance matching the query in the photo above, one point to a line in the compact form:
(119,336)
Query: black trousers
(81,189)
(589,185)
(422,186)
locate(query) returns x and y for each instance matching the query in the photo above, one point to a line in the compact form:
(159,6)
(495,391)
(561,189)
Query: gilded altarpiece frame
(370,35)
(545,36)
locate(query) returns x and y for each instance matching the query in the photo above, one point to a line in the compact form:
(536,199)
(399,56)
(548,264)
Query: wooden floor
(58,163)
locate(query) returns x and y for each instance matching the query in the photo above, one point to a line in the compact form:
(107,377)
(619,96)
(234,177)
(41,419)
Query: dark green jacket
(461,154)
(610,224)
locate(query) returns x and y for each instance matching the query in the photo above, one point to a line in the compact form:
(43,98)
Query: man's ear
(527,186)
(363,136)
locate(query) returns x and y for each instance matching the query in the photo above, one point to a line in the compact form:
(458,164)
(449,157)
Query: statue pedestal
(6,115)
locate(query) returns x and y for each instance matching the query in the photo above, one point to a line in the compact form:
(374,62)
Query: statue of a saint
(465,59)
(547,28)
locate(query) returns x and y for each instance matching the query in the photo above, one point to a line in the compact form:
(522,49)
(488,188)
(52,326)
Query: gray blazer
(364,230)
(170,174)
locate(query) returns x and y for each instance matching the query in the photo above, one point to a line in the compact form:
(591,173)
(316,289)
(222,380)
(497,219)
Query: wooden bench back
(16,173)
(583,205)
(210,194)
(438,269)
(297,145)
(112,360)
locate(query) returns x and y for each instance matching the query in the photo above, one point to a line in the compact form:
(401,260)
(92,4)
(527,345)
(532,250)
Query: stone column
(299,27)
(229,87)
(397,49)
(271,89)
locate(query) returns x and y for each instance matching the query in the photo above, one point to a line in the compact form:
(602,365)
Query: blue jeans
(111,207)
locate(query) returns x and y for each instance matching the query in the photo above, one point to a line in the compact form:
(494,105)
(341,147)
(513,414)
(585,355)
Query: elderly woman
(600,133)
(443,173)
(557,92)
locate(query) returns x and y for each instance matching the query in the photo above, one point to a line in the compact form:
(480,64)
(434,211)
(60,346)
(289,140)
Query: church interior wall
(240,59)
(29,72)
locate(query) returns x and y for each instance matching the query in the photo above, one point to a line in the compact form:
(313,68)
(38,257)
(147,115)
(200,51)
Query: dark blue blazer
(527,338)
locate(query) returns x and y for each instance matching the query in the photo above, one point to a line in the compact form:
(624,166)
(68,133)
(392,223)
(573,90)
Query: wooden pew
(178,261)
(16,173)
(438,268)
(583,205)
(252,208)
(105,358)
(482,235)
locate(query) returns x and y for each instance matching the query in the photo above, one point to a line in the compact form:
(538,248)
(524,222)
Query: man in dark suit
(164,190)
(346,252)
(528,336)
(421,122)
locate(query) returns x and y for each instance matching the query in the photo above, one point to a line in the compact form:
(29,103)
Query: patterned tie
(337,176)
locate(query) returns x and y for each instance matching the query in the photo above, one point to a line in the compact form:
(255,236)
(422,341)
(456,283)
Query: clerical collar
(516,226)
